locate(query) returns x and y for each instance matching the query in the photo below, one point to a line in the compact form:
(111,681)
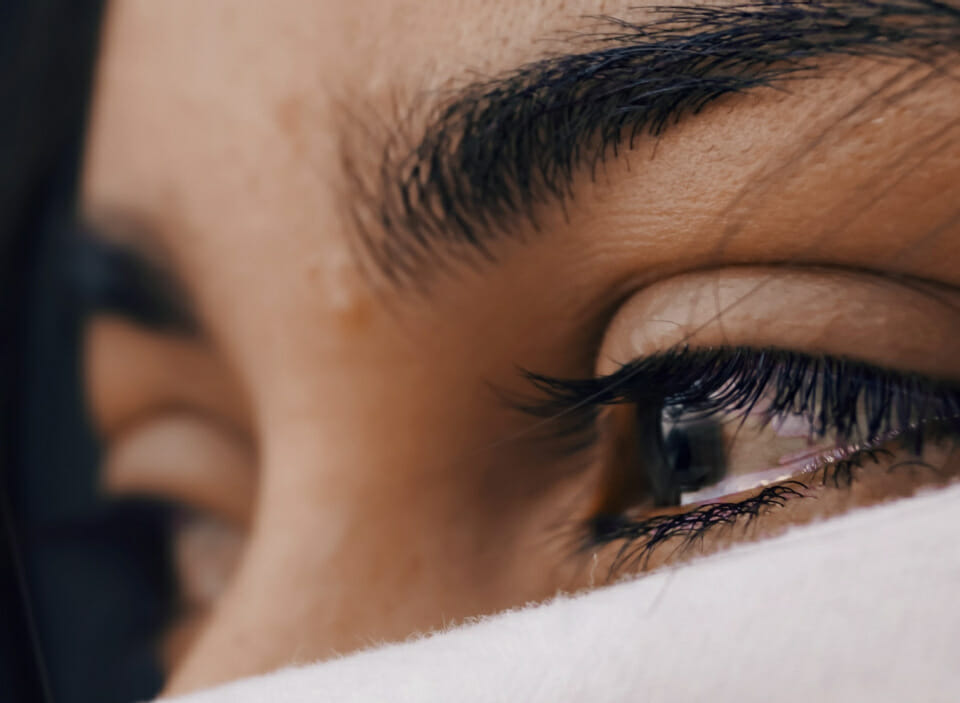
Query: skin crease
(394,492)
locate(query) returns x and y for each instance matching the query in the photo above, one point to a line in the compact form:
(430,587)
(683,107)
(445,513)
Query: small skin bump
(343,291)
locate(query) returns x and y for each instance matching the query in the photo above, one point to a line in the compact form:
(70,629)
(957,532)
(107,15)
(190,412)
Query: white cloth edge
(862,607)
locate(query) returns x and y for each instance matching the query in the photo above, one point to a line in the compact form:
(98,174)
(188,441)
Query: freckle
(288,114)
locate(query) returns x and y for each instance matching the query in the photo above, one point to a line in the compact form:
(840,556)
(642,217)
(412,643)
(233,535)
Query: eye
(171,418)
(170,432)
(702,446)
(725,434)
(743,418)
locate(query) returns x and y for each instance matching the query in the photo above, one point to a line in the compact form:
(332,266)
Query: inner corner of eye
(606,527)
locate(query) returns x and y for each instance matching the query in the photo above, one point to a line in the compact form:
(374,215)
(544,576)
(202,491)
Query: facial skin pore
(383,488)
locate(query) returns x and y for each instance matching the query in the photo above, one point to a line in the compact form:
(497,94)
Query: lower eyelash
(685,530)
(642,537)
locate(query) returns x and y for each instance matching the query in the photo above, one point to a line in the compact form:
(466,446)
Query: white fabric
(864,607)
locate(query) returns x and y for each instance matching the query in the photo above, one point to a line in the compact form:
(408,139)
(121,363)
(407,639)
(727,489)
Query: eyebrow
(498,149)
(105,277)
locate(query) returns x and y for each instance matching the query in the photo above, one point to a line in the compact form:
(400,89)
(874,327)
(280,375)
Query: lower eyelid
(888,471)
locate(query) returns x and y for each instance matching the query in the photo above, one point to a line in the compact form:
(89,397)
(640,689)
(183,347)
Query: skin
(348,431)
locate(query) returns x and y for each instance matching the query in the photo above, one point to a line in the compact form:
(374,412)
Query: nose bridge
(367,528)
(284,604)
(320,576)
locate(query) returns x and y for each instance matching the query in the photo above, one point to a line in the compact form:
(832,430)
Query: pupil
(682,457)
(694,459)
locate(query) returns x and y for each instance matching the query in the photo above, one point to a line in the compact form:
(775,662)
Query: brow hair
(499,148)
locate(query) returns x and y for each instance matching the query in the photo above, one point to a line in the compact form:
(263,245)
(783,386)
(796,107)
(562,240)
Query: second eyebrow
(110,278)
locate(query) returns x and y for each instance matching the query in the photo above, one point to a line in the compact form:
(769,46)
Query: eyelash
(857,403)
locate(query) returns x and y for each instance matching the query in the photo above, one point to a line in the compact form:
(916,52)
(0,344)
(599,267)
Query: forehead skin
(222,124)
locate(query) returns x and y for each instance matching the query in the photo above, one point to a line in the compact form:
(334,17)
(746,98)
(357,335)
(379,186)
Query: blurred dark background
(81,580)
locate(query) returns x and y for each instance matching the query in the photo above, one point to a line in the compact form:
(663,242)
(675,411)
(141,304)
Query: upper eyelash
(838,395)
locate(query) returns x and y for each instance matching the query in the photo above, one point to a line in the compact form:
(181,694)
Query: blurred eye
(205,474)
(172,430)
(172,420)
